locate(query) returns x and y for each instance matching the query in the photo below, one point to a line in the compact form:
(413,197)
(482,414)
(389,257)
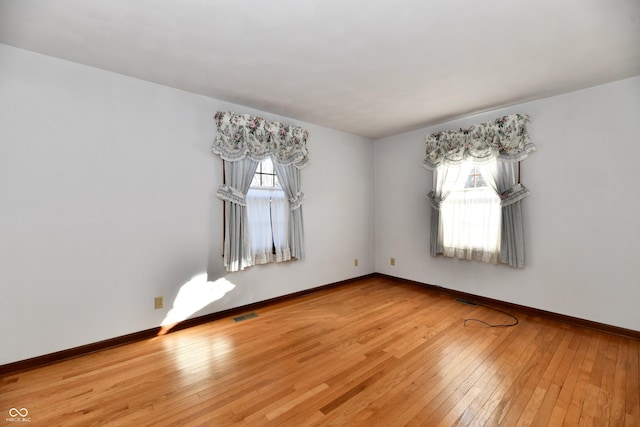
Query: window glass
(265,175)
(475,179)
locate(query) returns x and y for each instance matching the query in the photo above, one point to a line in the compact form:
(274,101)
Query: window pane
(267,166)
(265,175)
(475,179)
(469,183)
(267,180)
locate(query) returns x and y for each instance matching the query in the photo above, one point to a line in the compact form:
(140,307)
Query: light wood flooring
(374,352)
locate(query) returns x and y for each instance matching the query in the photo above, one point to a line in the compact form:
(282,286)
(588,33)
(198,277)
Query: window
(242,138)
(265,175)
(475,191)
(471,216)
(267,213)
(475,179)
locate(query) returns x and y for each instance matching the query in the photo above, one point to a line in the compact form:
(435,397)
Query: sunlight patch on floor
(194,295)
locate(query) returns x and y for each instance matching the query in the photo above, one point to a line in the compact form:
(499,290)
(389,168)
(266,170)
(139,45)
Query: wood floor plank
(514,399)
(505,368)
(540,405)
(574,413)
(373,352)
(617,412)
(547,410)
(454,384)
(632,405)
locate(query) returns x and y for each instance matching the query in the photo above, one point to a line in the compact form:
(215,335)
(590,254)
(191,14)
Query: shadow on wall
(193,296)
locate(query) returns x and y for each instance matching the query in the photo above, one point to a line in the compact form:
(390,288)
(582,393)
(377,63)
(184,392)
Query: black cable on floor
(502,325)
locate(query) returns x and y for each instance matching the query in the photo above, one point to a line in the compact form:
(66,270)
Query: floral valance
(242,135)
(505,138)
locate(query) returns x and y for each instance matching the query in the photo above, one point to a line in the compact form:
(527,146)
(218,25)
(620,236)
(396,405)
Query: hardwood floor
(374,352)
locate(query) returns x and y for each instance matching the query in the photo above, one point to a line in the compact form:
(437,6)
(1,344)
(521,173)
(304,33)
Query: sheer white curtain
(445,178)
(259,216)
(470,219)
(268,215)
(280,225)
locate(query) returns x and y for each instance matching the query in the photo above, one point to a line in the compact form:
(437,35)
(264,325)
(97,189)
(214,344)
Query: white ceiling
(369,67)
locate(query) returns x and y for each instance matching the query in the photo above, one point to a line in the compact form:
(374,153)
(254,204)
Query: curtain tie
(513,195)
(296,201)
(231,194)
(433,200)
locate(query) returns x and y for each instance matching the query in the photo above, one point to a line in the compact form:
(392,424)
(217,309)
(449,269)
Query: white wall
(581,220)
(107,199)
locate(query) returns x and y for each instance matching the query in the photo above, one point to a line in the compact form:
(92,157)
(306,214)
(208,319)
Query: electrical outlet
(392,261)
(159,302)
(355,262)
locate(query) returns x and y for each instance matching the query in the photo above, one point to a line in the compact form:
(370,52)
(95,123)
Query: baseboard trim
(576,321)
(47,359)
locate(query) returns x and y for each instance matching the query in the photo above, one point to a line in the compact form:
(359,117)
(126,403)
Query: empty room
(310,213)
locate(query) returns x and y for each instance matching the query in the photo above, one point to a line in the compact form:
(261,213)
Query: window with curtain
(244,143)
(267,216)
(476,209)
(470,217)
